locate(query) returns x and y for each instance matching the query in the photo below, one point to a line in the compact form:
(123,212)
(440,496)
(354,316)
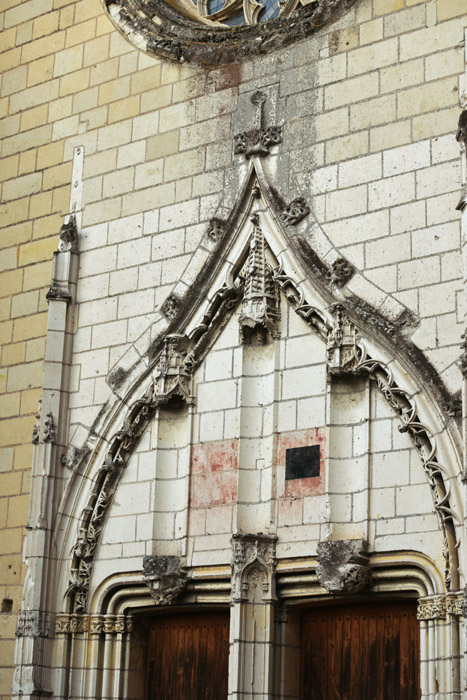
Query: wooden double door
(360,652)
(188,657)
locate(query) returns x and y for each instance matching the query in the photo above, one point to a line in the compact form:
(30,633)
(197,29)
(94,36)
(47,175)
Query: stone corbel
(343,566)
(165,577)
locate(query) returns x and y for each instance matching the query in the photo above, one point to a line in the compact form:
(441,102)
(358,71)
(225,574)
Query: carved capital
(33,623)
(343,566)
(253,568)
(165,577)
(92,624)
(431,608)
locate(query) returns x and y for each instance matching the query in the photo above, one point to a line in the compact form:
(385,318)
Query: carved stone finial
(165,577)
(341,272)
(36,431)
(294,212)
(170,307)
(341,343)
(343,566)
(260,303)
(49,429)
(253,567)
(257,141)
(173,371)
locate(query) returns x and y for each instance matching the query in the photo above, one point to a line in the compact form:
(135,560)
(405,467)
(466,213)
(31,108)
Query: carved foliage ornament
(33,623)
(93,624)
(438,607)
(165,578)
(257,141)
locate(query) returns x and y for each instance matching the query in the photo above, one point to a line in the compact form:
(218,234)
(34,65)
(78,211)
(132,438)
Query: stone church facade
(233,281)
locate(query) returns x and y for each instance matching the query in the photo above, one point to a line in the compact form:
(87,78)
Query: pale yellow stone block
(102,72)
(61,108)
(43,47)
(24,304)
(10,544)
(410,3)
(49,155)
(74,82)
(44,226)
(37,276)
(3,378)
(22,457)
(146,80)
(35,350)
(95,118)
(86,9)
(4,104)
(40,71)
(162,144)
(403,75)
(24,33)
(61,198)
(371,31)
(68,60)
(14,80)
(30,398)
(11,282)
(47,24)
(79,33)
(347,147)
(26,10)
(384,7)
(8,38)
(5,306)
(57,175)
(435,123)
(343,40)
(390,136)
(13,212)
(10,482)
(10,59)
(5,570)
(9,404)
(27,139)
(27,162)
(162,97)
(9,167)
(426,97)
(40,205)
(6,332)
(114,90)
(353,90)
(96,50)
(61,3)
(13,354)
(9,126)
(21,186)
(444,63)
(124,109)
(18,511)
(36,251)
(67,15)
(451,8)
(377,55)
(104,25)
(37,116)
(33,96)
(30,327)
(18,233)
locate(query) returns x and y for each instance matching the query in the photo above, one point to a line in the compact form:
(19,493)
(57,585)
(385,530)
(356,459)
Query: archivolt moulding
(220,287)
(178,30)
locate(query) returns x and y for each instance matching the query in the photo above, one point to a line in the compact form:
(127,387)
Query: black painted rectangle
(302,462)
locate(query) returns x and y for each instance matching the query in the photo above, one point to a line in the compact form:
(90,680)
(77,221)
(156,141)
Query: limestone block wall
(369,107)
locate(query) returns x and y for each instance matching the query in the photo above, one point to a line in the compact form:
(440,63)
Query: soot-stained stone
(302,462)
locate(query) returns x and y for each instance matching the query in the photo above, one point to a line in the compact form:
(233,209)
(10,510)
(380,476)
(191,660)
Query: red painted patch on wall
(298,488)
(213,477)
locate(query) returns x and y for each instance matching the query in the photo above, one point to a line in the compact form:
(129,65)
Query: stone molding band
(438,607)
(93,624)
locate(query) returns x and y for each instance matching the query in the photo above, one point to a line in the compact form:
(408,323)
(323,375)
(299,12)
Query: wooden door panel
(360,652)
(188,656)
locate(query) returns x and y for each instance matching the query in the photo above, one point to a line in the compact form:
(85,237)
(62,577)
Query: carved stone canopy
(165,577)
(343,566)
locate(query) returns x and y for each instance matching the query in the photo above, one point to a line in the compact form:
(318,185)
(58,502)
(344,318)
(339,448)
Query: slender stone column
(251,672)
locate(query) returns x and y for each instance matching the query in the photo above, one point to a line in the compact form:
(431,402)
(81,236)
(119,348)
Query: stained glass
(214,6)
(235,20)
(271,10)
